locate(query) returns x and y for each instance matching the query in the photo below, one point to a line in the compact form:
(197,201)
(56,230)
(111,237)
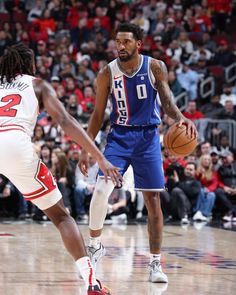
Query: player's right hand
(84,162)
(110,171)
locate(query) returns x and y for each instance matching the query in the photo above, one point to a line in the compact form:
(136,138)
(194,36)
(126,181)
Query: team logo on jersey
(120,95)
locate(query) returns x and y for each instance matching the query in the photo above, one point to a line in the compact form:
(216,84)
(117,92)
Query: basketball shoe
(95,254)
(98,290)
(156,275)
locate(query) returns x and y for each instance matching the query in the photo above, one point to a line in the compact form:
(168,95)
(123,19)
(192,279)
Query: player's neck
(131,66)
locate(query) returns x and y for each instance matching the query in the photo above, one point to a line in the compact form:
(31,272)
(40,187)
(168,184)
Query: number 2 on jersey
(11,100)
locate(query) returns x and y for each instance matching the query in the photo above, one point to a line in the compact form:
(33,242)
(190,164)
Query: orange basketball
(177,142)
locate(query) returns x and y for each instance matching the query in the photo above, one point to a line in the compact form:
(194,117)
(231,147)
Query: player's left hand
(110,171)
(190,127)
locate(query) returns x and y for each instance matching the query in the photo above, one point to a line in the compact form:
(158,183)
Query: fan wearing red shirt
(191,112)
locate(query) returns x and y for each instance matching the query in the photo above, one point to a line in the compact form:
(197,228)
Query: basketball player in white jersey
(134,82)
(22,96)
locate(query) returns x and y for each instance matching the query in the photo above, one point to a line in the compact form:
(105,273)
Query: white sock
(85,268)
(95,242)
(155,257)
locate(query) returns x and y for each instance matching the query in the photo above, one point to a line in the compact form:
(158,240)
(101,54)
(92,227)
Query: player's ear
(139,44)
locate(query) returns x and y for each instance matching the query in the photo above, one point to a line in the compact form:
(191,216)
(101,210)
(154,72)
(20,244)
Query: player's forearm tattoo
(166,97)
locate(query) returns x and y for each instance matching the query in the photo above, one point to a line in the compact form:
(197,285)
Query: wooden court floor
(198,261)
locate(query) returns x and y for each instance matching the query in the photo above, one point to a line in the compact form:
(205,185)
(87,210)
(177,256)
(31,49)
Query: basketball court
(198,261)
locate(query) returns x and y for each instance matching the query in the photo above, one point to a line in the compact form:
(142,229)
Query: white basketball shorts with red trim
(21,165)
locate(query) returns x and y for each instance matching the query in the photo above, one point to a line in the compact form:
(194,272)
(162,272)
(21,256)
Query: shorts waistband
(135,127)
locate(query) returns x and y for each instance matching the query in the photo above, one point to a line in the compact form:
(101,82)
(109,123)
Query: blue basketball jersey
(134,98)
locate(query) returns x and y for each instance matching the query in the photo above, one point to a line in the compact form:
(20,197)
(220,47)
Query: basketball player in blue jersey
(134,82)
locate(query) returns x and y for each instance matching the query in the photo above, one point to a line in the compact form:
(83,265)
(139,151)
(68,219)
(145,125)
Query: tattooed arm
(160,73)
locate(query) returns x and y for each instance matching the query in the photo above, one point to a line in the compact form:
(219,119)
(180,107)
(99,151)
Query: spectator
(205,148)
(227,95)
(84,187)
(117,206)
(215,158)
(208,43)
(63,175)
(171,31)
(175,86)
(192,113)
(189,81)
(223,56)
(141,20)
(39,135)
(225,195)
(80,33)
(186,44)
(208,178)
(36,11)
(185,193)
(213,108)
(45,155)
(174,50)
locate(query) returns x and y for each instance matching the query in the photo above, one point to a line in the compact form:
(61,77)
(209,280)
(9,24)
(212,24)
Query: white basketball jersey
(18,104)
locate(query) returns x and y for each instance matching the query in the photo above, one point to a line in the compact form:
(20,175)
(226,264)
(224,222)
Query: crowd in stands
(73,40)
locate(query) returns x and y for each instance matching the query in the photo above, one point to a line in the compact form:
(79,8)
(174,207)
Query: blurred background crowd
(73,40)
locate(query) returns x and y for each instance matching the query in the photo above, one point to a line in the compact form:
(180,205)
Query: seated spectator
(208,43)
(208,178)
(84,187)
(189,81)
(73,108)
(192,113)
(185,193)
(186,44)
(63,175)
(174,50)
(225,195)
(201,67)
(202,22)
(141,20)
(215,158)
(175,86)
(39,135)
(117,206)
(171,31)
(224,144)
(36,11)
(45,155)
(205,148)
(200,52)
(227,95)
(71,87)
(64,60)
(80,33)
(227,113)
(223,56)
(212,108)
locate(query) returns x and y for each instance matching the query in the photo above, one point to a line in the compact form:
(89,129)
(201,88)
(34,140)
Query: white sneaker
(227,218)
(185,220)
(122,218)
(156,275)
(199,217)
(139,215)
(95,254)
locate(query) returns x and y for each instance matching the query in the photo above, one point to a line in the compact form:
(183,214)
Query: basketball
(177,142)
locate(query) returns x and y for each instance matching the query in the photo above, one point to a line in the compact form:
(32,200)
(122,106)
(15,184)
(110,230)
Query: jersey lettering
(11,100)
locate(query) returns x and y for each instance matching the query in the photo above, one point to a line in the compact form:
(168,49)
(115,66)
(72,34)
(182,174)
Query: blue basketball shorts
(139,147)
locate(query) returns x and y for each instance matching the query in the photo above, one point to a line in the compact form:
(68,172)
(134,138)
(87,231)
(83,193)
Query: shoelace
(155,265)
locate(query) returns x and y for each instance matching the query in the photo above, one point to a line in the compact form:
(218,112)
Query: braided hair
(17,60)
